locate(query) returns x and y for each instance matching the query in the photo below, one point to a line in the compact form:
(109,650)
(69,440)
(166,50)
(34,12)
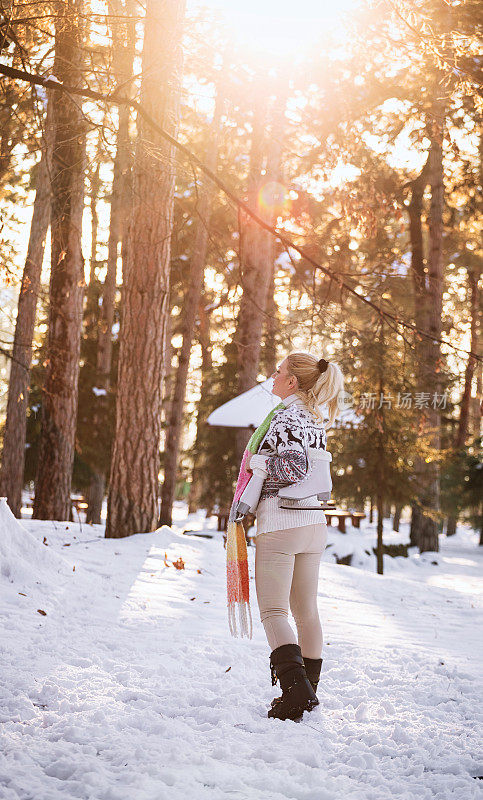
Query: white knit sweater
(282,455)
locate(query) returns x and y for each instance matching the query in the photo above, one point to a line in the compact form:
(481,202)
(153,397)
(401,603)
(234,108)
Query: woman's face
(283,383)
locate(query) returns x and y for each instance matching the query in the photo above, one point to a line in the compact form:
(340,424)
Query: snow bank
(24,561)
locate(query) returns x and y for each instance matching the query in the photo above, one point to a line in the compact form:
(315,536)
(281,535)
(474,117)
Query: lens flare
(274,198)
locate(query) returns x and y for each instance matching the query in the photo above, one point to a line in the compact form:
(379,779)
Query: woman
(290,542)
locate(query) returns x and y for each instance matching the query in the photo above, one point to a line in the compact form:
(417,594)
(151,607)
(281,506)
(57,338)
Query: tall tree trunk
(94,188)
(13,455)
(397,517)
(199,476)
(428,534)
(463,423)
(169,372)
(133,485)
(381,489)
(59,395)
(428,298)
(95,496)
(380,528)
(477,402)
(418,187)
(190,306)
(474,303)
(124,44)
(255,269)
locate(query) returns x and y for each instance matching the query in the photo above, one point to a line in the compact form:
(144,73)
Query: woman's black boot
(287,665)
(312,668)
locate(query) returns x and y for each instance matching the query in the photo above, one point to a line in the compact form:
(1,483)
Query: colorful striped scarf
(237,582)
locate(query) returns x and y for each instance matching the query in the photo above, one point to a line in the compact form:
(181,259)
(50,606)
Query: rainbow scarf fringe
(237,579)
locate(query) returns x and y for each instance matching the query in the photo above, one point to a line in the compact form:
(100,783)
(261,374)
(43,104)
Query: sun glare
(279,28)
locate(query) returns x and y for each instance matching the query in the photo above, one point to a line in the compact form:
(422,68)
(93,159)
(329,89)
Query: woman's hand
(257,462)
(247,462)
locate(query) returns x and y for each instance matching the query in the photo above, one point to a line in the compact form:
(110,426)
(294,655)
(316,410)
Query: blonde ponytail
(317,388)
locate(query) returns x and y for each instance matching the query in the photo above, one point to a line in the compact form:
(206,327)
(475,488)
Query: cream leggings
(287,571)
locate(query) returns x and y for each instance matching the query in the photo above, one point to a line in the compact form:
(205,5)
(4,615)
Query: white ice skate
(317,483)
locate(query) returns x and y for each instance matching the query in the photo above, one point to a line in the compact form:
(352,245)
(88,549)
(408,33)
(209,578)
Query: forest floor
(130,686)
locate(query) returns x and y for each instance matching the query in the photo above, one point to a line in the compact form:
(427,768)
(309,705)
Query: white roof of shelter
(250,408)
(247,410)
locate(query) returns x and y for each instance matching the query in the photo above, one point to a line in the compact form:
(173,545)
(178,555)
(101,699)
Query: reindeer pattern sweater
(282,455)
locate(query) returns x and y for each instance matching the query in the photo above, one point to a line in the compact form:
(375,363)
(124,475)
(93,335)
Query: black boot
(312,668)
(287,665)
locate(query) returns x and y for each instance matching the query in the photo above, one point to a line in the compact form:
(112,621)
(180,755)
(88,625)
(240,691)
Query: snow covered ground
(130,686)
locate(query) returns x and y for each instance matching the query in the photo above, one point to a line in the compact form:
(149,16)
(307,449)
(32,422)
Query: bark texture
(429,524)
(380,439)
(428,294)
(13,455)
(59,396)
(133,485)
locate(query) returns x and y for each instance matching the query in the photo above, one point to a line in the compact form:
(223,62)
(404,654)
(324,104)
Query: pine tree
(59,399)
(133,484)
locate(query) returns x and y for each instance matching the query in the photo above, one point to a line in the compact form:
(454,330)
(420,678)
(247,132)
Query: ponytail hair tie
(322,365)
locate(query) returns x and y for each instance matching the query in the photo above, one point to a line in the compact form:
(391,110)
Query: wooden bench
(341,516)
